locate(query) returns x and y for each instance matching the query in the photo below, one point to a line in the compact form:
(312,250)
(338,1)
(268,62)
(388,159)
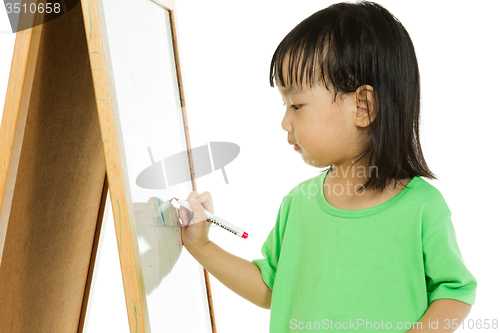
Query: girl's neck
(342,182)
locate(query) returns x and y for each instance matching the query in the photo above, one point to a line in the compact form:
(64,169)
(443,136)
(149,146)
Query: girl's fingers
(199,211)
(184,214)
(205,199)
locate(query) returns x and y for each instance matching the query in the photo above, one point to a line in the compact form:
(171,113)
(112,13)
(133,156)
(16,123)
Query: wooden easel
(59,153)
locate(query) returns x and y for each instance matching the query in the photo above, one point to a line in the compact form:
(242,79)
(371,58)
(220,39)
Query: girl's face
(327,132)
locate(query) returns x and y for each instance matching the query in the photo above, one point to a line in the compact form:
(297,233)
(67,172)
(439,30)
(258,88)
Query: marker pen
(217,220)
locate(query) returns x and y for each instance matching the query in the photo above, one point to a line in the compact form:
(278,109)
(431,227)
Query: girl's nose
(286,124)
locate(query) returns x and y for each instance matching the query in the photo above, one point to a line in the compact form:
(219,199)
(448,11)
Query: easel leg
(93,255)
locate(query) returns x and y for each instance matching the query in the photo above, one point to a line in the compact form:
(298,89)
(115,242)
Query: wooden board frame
(60,153)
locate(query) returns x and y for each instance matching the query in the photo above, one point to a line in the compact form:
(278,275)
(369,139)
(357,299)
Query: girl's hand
(194,231)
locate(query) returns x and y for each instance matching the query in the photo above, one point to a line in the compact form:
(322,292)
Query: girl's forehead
(290,89)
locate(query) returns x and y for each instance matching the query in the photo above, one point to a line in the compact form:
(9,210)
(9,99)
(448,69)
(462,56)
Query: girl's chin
(314,163)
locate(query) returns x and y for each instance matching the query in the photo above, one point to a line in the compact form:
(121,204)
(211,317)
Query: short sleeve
(271,250)
(446,273)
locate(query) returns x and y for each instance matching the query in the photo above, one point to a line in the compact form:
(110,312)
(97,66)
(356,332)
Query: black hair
(348,45)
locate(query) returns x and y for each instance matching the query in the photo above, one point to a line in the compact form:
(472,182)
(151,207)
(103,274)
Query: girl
(367,244)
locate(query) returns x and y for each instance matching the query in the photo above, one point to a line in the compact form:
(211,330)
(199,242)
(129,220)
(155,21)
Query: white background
(226,48)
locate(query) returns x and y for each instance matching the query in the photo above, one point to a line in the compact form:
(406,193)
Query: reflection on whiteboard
(159,236)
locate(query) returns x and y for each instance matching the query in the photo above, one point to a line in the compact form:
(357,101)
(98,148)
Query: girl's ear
(365,106)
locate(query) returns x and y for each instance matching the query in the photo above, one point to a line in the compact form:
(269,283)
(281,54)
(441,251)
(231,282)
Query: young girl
(367,244)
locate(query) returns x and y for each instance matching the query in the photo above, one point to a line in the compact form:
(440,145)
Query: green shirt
(361,270)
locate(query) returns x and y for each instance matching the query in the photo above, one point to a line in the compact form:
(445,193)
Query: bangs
(300,57)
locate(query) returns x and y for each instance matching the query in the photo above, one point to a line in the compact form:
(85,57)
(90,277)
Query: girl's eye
(294,106)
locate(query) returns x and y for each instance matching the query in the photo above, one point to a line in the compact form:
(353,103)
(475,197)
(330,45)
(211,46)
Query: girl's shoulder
(430,204)
(426,193)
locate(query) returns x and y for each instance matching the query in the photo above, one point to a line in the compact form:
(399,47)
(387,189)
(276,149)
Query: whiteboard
(151,128)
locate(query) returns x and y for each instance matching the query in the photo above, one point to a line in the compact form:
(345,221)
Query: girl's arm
(442,316)
(240,275)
